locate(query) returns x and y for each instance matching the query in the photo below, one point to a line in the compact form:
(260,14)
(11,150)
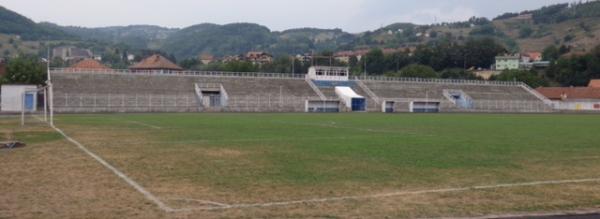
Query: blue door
(358,105)
(29,102)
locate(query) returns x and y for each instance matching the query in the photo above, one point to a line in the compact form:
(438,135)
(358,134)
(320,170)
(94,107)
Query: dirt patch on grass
(223,153)
(54,179)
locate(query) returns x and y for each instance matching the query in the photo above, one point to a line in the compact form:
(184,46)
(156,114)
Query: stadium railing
(280,75)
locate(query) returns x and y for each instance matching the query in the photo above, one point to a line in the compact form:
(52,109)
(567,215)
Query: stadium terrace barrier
(437,80)
(182,73)
(281,75)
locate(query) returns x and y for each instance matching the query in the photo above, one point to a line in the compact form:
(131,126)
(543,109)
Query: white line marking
(120,174)
(145,124)
(533,214)
(199,201)
(392,194)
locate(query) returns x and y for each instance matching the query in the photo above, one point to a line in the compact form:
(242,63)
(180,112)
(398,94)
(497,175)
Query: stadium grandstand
(158,85)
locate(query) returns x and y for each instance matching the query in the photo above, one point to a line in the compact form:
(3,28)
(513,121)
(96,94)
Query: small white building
(12,98)
(328,73)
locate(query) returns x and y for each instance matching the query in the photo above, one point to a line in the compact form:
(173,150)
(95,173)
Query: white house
(12,98)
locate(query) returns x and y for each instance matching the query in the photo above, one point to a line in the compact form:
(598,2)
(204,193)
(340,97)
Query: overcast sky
(350,15)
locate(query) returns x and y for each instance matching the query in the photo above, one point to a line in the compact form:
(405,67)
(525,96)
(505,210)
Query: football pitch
(302,165)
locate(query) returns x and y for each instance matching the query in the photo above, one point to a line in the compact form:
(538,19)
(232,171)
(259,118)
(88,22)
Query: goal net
(35,106)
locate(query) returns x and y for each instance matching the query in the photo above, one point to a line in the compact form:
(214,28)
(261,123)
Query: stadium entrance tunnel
(211,96)
(459,98)
(388,106)
(359,105)
(351,100)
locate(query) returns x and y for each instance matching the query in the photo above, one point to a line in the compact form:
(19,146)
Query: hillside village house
(69,53)
(531,57)
(233,58)
(155,63)
(574,98)
(507,62)
(304,58)
(344,56)
(520,61)
(259,58)
(206,59)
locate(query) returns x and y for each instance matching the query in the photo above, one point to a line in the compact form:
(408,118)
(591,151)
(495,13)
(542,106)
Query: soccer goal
(35,106)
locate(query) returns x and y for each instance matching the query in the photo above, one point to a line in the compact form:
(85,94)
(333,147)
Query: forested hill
(14,23)
(573,25)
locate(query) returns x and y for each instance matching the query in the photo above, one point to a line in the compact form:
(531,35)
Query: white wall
(582,105)
(12,97)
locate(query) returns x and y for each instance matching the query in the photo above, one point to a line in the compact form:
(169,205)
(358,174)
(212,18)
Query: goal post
(34,110)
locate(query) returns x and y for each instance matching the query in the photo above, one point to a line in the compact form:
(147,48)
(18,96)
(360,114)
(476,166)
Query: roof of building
(256,54)
(594,83)
(570,92)
(534,55)
(207,57)
(89,64)
(155,62)
(514,57)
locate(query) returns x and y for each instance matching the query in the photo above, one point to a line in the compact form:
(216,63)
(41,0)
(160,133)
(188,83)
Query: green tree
(375,62)
(551,53)
(481,53)
(458,73)
(415,71)
(239,66)
(530,78)
(191,64)
(25,70)
(525,32)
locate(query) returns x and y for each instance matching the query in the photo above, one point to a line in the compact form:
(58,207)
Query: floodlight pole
(50,90)
(365,69)
(45,105)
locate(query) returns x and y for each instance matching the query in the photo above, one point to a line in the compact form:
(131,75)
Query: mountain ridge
(574,25)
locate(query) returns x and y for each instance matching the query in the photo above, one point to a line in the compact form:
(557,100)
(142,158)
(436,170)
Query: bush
(525,32)
(530,78)
(569,38)
(416,71)
(458,73)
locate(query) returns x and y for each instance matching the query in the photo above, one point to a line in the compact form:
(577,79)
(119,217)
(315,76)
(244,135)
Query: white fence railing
(181,73)
(280,75)
(437,80)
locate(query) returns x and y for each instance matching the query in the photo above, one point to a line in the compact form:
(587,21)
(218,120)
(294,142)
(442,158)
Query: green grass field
(263,158)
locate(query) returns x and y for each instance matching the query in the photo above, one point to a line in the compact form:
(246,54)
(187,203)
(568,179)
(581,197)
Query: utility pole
(365,68)
(293,63)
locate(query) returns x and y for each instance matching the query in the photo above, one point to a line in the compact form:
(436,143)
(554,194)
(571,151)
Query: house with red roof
(574,98)
(88,64)
(594,83)
(155,63)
